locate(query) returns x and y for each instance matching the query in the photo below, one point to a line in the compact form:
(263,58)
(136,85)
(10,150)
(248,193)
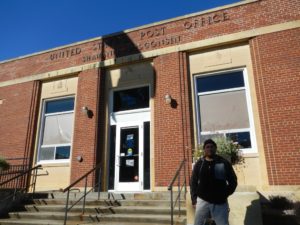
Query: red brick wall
(171,123)
(276,66)
(245,17)
(85,130)
(276,63)
(18,115)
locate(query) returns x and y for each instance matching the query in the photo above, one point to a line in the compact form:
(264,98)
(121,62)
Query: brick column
(18,115)
(172,134)
(276,66)
(86,128)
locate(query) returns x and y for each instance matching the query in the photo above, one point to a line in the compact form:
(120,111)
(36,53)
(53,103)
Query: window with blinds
(56,130)
(223,107)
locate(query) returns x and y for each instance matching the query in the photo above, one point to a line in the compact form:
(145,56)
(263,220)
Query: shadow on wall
(280,210)
(120,46)
(253,213)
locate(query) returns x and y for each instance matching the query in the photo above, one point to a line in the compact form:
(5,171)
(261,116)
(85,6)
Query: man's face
(210,150)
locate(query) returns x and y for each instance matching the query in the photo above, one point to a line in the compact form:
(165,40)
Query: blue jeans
(218,212)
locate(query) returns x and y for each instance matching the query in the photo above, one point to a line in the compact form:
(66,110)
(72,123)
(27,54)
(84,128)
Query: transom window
(56,130)
(223,107)
(135,98)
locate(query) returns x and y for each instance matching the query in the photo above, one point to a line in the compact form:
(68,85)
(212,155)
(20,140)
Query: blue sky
(28,26)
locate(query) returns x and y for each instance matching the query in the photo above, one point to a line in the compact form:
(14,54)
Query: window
(56,130)
(135,98)
(223,107)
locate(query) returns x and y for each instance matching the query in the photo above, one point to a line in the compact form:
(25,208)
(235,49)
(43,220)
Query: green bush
(4,165)
(226,148)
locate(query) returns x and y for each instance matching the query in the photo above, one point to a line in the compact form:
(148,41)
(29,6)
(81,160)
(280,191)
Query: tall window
(224,108)
(56,130)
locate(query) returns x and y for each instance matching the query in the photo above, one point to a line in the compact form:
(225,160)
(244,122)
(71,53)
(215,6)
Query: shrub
(226,148)
(297,209)
(281,202)
(4,165)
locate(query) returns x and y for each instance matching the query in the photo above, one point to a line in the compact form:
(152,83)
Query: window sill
(54,164)
(250,155)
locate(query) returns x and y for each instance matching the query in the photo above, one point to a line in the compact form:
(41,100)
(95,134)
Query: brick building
(140,100)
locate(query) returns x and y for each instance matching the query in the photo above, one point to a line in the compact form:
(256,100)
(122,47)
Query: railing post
(84,177)
(15,191)
(177,177)
(66,209)
(85,186)
(179,191)
(99,177)
(34,181)
(172,209)
(184,168)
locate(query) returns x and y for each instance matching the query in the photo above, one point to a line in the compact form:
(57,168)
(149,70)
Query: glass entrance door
(129,155)
(129,151)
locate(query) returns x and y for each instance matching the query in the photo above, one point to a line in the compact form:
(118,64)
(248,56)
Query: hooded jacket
(213,181)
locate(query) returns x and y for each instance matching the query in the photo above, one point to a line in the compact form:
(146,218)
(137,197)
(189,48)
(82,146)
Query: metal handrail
(68,189)
(21,174)
(16,158)
(16,166)
(17,177)
(170,188)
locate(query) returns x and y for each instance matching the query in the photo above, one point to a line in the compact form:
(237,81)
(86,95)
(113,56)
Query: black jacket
(213,181)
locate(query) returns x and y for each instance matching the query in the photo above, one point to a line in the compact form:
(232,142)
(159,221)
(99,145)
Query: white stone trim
(192,46)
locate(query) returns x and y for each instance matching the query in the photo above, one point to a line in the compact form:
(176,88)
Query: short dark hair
(209,141)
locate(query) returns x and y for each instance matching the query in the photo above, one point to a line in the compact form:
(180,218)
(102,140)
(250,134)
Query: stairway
(121,209)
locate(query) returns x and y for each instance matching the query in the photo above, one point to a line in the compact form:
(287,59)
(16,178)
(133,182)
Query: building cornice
(188,47)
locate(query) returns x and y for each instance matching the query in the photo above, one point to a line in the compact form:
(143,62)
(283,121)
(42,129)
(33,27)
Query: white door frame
(129,186)
(129,118)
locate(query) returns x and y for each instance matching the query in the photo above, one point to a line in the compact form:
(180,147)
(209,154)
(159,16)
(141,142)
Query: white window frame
(246,87)
(130,111)
(42,126)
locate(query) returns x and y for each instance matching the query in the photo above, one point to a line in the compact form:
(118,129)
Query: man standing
(213,180)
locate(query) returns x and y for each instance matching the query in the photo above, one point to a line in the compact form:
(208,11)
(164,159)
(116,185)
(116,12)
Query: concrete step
(55,222)
(165,203)
(125,223)
(127,209)
(126,202)
(73,217)
(61,208)
(105,195)
(103,209)
(48,216)
(62,202)
(147,210)
(139,218)
(36,222)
